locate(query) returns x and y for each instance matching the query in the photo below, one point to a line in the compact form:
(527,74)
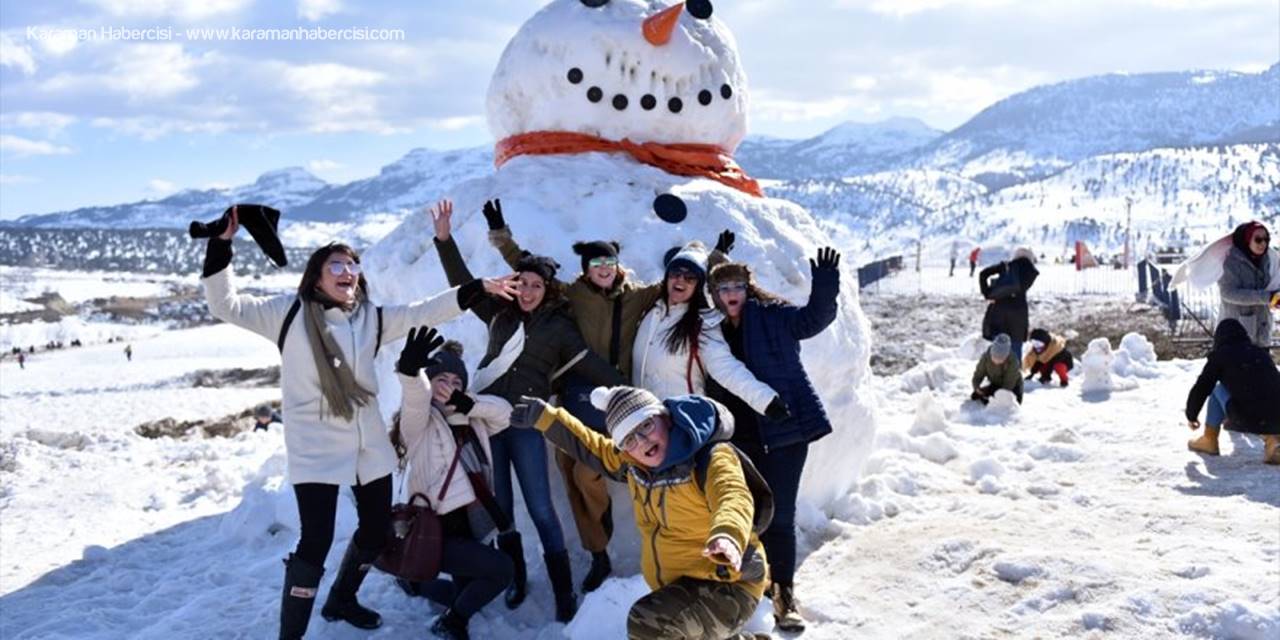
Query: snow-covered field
(1076,515)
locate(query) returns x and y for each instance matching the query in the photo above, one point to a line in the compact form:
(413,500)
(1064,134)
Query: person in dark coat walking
(764,332)
(532,341)
(1005,286)
(1242,385)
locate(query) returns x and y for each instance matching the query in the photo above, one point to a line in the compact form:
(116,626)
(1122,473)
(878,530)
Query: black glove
(828,261)
(417,350)
(217,256)
(724,243)
(461,401)
(777,410)
(493,214)
(527,412)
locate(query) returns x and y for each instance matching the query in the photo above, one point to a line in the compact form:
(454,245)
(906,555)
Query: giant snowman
(616,119)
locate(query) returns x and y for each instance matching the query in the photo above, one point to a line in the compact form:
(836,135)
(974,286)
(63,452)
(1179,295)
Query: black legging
(318,507)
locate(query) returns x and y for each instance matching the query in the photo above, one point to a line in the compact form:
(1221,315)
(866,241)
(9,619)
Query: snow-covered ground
(1077,515)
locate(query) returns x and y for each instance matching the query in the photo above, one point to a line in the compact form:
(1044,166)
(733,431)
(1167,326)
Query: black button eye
(675,105)
(726,91)
(619,102)
(648,102)
(596,3)
(704,97)
(594,94)
(700,9)
(575,75)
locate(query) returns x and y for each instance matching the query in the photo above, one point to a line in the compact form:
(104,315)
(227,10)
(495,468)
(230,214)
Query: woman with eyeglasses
(764,332)
(607,302)
(1247,291)
(328,334)
(679,344)
(532,341)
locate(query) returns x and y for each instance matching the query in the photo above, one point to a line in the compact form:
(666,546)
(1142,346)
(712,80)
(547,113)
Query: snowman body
(544,83)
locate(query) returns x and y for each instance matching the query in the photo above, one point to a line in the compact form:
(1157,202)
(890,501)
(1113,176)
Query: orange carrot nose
(658,27)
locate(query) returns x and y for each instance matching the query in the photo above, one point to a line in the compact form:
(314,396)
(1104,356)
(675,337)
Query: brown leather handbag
(416,537)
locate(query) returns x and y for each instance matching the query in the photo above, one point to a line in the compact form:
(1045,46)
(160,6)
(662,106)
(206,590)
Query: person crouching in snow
(1002,370)
(1242,385)
(699,504)
(438,423)
(1048,356)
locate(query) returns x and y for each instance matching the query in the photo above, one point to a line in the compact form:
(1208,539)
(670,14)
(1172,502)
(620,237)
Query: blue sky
(103,121)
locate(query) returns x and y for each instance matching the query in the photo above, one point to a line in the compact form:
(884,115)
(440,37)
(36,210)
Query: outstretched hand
(723,550)
(493,214)
(417,350)
(505,287)
(828,260)
(527,412)
(233,225)
(724,243)
(1193,424)
(441,215)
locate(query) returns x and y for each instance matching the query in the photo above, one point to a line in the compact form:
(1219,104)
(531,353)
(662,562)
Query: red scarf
(700,160)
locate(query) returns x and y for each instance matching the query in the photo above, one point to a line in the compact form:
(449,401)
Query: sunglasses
(336,268)
(639,435)
(602,262)
(732,287)
(682,274)
(1262,240)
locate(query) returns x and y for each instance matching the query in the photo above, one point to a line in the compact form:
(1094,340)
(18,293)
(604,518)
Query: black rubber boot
(561,576)
(301,579)
(510,544)
(341,603)
(450,626)
(600,569)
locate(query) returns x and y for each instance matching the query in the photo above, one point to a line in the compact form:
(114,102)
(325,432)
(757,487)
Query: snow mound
(1235,619)
(1097,361)
(1136,357)
(1014,571)
(930,416)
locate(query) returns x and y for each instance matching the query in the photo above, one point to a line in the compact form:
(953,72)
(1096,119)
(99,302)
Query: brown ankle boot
(1207,442)
(1271,449)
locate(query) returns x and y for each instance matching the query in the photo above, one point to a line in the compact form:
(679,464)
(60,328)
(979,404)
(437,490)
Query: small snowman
(617,120)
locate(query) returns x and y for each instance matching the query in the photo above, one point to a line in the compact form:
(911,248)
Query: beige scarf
(337,380)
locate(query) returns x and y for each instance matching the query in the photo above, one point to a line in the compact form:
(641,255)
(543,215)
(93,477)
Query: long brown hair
(741,272)
(308,289)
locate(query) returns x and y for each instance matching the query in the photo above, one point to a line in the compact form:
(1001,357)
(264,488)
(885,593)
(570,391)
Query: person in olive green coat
(997,366)
(608,303)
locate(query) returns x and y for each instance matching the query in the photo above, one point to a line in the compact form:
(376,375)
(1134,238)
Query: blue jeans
(526,450)
(1218,402)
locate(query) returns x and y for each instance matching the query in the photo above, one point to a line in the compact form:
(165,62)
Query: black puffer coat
(552,340)
(1007,314)
(1249,376)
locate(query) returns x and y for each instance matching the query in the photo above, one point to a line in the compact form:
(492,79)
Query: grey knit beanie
(1001,347)
(624,409)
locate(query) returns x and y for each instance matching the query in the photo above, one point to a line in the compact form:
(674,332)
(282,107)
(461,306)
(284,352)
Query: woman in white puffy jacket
(443,433)
(328,334)
(679,342)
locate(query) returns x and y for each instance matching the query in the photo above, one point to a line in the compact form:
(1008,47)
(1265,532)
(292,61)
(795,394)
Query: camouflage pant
(690,609)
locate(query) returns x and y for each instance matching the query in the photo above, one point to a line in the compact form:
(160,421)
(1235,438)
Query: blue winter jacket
(771,335)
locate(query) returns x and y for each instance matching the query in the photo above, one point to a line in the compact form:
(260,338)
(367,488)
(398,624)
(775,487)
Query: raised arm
(730,372)
(571,436)
(455,268)
(984,277)
(816,315)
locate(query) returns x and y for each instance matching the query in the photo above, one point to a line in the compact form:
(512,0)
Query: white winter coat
(664,373)
(431,445)
(323,447)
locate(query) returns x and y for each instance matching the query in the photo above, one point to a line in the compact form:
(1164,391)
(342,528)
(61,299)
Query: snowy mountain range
(1051,164)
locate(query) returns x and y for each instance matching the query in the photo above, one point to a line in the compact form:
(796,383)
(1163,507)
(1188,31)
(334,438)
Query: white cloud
(183,9)
(17,55)
(336,97)
(315,10)
(161,187)
(48,121)
(902,8)
(322,166)
(9,178)
(455,123)
(21,147)
(156,127)
(144,71)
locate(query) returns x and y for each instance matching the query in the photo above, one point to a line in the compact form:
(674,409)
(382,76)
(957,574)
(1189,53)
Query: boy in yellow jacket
(695,500)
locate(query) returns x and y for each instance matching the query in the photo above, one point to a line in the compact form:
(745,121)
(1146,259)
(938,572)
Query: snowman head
(648,71)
